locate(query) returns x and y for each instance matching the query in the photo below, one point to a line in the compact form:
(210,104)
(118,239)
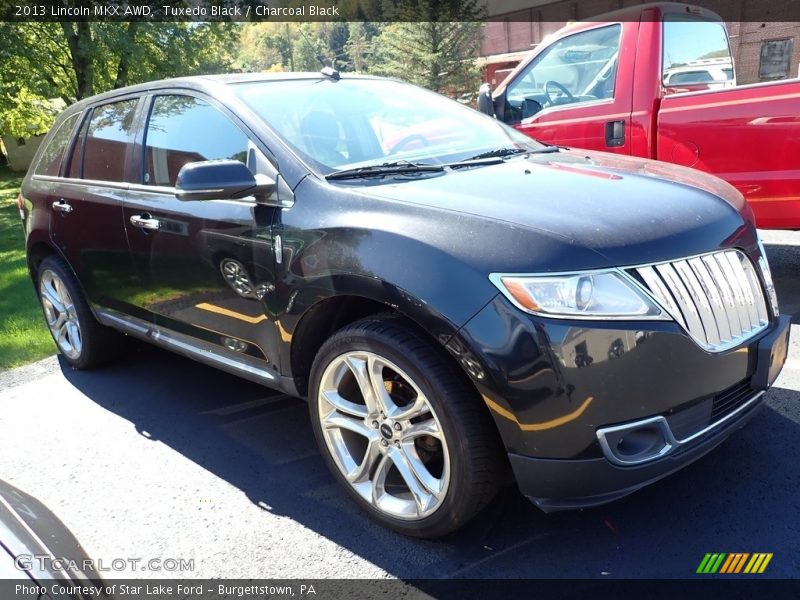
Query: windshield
(357,122)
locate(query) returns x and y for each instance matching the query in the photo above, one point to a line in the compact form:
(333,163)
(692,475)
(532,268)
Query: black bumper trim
(554,484)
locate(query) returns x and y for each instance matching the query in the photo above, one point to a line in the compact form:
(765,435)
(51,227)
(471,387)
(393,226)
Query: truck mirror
(485,104)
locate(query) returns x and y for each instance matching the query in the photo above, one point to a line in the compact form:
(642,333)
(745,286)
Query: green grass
(23,334)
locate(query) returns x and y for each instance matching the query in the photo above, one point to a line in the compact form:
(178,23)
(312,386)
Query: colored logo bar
(734,562)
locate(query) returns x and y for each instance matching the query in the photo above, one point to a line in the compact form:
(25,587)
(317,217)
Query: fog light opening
(636,443)
(642,442)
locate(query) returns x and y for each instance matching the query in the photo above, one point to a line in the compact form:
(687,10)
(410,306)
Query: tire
(418,452)
(82,341)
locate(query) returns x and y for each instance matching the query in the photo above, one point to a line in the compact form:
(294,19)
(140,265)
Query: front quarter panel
(336,242)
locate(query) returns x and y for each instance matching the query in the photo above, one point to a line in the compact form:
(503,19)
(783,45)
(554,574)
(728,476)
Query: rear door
(573,94)
(205,266)
(86,224)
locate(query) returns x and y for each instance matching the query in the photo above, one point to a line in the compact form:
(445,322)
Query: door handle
(615,134)
(145,221)
(62,206)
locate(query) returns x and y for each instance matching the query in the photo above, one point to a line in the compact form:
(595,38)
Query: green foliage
(272,46)
(28,79)
(264,46)
(359,49)
(434,44)
(24,114)
(23,334)
(41,61)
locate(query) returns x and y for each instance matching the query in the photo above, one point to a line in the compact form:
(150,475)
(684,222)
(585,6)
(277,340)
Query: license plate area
(772,352)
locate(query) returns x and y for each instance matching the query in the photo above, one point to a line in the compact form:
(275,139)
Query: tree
(264,46)
(73,60)
(359,53)
(287,46)
(434,43)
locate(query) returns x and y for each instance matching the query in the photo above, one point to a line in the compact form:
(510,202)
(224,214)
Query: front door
(206,266)
(572,94)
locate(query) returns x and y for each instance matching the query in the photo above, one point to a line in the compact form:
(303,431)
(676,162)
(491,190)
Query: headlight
(767,273)
(592,294)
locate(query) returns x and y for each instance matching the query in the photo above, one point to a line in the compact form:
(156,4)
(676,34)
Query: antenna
(331,72)
(321,60)
(327,70)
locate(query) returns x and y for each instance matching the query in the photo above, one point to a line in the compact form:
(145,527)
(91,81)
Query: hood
(627,210)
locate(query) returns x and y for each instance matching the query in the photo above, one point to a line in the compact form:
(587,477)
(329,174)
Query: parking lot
(162,458)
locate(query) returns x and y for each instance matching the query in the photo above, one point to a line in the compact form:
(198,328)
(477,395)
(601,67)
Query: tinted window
(111,130)
(183,129)
(50,161)
(76,155)
(692,43)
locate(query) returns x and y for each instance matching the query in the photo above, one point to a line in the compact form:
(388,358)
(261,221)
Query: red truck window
(696,55)
(579,68)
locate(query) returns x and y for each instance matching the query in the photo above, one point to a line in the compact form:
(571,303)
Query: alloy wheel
(60,314)
(383,435)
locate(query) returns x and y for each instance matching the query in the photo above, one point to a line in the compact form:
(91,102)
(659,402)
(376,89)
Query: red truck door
(577,91)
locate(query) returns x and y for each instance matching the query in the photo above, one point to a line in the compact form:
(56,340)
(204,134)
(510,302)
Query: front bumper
(551,386)
(569,484)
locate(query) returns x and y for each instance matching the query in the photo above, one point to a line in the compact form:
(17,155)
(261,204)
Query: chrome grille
(716,298)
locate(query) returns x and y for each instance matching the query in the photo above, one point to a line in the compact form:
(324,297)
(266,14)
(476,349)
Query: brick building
(762,51)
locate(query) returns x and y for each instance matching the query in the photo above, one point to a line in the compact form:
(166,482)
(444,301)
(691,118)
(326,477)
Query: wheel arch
(39,248)
(37,251)
(323,315)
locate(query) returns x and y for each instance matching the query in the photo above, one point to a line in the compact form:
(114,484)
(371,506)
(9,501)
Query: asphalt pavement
(162,458)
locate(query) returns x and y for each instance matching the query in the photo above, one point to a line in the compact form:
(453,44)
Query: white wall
(20,157)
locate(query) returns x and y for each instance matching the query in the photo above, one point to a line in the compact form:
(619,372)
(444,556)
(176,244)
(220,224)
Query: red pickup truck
(657,81)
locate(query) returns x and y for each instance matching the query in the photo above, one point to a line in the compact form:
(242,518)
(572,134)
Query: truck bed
(761,122)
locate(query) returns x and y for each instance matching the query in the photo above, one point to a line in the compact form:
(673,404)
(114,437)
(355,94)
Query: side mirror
(220,180)
(485,103)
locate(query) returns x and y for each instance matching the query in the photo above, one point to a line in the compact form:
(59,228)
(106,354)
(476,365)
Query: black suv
(456,301)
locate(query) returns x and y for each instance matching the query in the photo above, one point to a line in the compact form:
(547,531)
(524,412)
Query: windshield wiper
(497,153)
(387,168)
(476,162)
(510,151)
(545,150)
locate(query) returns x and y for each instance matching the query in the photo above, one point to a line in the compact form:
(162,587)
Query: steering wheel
(414,137)
(564,91)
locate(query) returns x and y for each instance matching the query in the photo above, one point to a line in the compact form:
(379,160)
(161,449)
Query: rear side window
(49,162)
(692,48)
(183,129)
(110,132)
